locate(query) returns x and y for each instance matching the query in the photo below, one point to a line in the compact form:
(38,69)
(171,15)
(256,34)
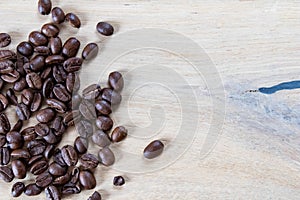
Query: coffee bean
(42,51)
(57,157)
(57,170)
(84,128)
(19,169)
(154,149)
(61,180)
(38,39)
(105,28)
(71,118)
(27,96)
(73,64)
(44,7)
(42,129)
(55,45)
(73,20)
(70,188)
(25,49)
(5,40)
(69,155)
(27,68)
(6,67)
(3,102)
(118,181)
(57,105)
(4,156)
(37,63)
(59,74)
(35,159)
(2,140)
(75,175)
(54,59)
(106,156)
(51,138)
(119,134)
(11,77)
(36,147)
(50,30)
(20,154)
(20,85)
(45,115)
(95,196)
(101,139)
(39,167)
(23,112)
(7,55)
(43,180)
(71,47)
(89,161)
(29,133)
(58,15)
(111,96)
(46,73)
(90,51)
(104,123)
(4,123)
(14,139)
(36,102)
(6,174)
(87,180)
(52,193)
(87,109)
(47,87)
(18,126)
(32,190)
(34,81)
(91,92)
(17,189)
(81,145)
(61,93)
(58,126)
(103,107)
(72,82)
(11,97)
(49,151)
(115,81)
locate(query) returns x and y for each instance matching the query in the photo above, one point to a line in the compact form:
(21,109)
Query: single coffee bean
(58,15)
(37,63)
(4,123)
(61,180)
(61,93)
(71,47)
(81,145)
(57,105)
(21,60)
(47,87)
(11,77)
(14,139)
(35,159)
(7,55)
(57,157)
(49,151)
(20,154)
(91,92)
(119,134)
(4,156)
(6,66)
(29,133)
(45,115)
(100,138)
(56,170)
(34,81)
(104,123)
(54,59)
(36,147)
(18,126)
(23,112)
(71,118)
(55,45)
(70,188)
(17,189)
(59,74)
(27,96)
(73,64)
(90,51)
(42,129)
(2,140)
(105,28)
(32,190)
(52,193)
(111,96)
(154,149)
(73,20)
(118,181)
(5,40)
(38,39)
(11,97)
(103,107)
(84,128)
(39,167)
(19,169)
(69,155)
(46,73)
(3,102)
(89,161)
(95,196)
(6,174)
(115,81)
(75,175)
(72,82)
(25,49)
(42,51)
(36,102)
(87,180)
(20,85)
(58,126)
(50,30)
(87,109)
(44,7)
(51,138)
(44,179)
(106,156)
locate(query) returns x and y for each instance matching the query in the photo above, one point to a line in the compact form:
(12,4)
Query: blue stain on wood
(282,86)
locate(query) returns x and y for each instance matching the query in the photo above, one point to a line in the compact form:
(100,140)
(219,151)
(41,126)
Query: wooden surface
(251,43)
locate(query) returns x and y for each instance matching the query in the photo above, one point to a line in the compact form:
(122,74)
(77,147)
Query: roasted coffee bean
(54,59)
(106,156)
(61,93)
(90,51)
(95,196)
(103,107)
(6,66)
(57,157)
(72,82)
(26,68)
(70,188)
(50,30)
(45,115)
(51,138)
(57,105)
(20,85)
(25,49)
(7,55)
(46,73)
(37,63)
(75,175)
(3,102)
(91,92)
(73,20)
(73,64)
(5,40)
(11,97)
(4,123)
(105,28)
(42,129)
(34,81)
(39,167)
(118,181)
(84,128)
(104,123)
(23,112)
(58,126)
(47,87)
(76,100)
(38,39)
(43,180)
(71,117)
(27,96)
(35,159)
(17,189)
(57,170)
(2,140)
(58,15)
(69,155)
(119,134)
(36,102)
(100,138)
(42,51)
(18,126)
(6,174)
(19,169)
(4,156)
(49,151)
(20,154)
(81,145)
(111,96)
(55,45)
(89,161)
(29,133)
(32,190)
(87,109)
(36,147)
(154,149)
(61,180)
(71,47)
(52,193)
(59,74)
(21,60)
(44,7)
(14,139)
(115,81)
(11,77)
(87,180)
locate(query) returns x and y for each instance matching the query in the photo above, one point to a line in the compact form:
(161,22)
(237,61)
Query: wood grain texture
(252,44)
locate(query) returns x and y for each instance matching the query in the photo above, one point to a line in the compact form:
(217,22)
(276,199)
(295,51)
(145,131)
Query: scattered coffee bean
(105,28)
(75,175)
(7,55)
(44,7)
(34,81)
(55,45)
(45,115)
(50,30)
(84,128)
(54,59)
(38,39)
(70,188)
(17,189)
(36,147)
(14,139)
(20,85)
(51,138)
(90,51)
(11,97)
(101,139)
(115,81)
(57,157)
(104,123)
(25,49)
(20,154)
(57,105)
(39,167)
(87,109)
(36,102)
(154,149)
(57,170)
(58,15)
(106,156)
(73,20)
(29,133)
(6,174)
(69,155)
(118,181)
(37,63)
(87,180)
(73,82)
(42,129)
(23,112)
(58,126)
(61,93)
(95,196)
(2,140)
(103,107)
(19,169)
(59,74)
(43,180)
(89,161)
(61,180)
(4,123)
(71,47)
(32,190)
(73,64)
(4,156)
(46,73)
(52,193)
(119,134)
(42,51)
(49,151)
(111,96)
(5,40)
(6,67)
(11,77)
(47,87)
(71,117)
(18,126)
(81,145)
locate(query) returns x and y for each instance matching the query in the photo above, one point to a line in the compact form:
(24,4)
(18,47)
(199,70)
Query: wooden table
(251,44)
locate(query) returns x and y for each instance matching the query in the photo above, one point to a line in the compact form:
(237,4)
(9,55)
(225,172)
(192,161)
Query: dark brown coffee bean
(27,68)
(72,117)
(73,64)
(46,73)
(57,170)
(55,45)
(103,107)
(58,15)
(36,102)
(75,175)
(47,87)
(105,28)
(73,20)
(100,138)
(59,74)
(37,63)
(7,55)
(38,39)
(11,77)
(27,96)
(5,40)
(52,193)
(95,196)
(90,51)
(111,96)
(19,169)
(87,180)
(36,147)
(72,82)
(32,190)
(45,115)
(20,85)
(49,151)
(3,102)
(61,93)
(87,109)
(51,138)
(23,112)
(14,139)
(29,133)
(71,47)
(50,30)
(81,145)
(25,49)
(21,60)
(39,167)
(118,181)
(4,156)
(18,126)
(115,81)
(34,81)
(20,154)
(42,129)
(91,92)
(44,179)
(104,123)
(84,128)
(70,188)
(69,155)
(57,157)
(11,97)
(61,180)
(119,134)
(58,126)
(6,67)
(106,156)
(44,7)
(17,189)
(4,123)
(89,161)
(54,59)
(35,159)
(57,105)
(6,174)
(154,149)
(42,51)
(2,140)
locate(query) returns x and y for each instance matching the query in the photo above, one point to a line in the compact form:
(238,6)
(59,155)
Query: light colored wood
(251,43)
